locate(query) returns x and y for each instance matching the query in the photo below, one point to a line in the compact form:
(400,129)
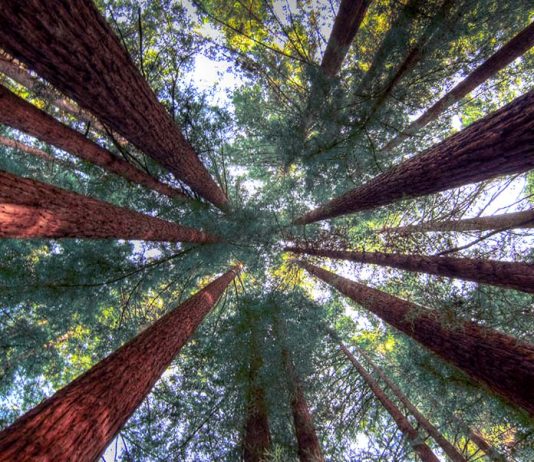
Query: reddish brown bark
(501,143)
(504,221)
(348,19)
(11,143)
(512,275)
(499,362)
(30,209)
(80,420)
(447,447)
(515,48)
(19,114)
(485,447)
(422,450)
(69,44)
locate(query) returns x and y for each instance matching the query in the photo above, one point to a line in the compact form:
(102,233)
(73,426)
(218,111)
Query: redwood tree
(30,209)
(499,362)
(95,70)
(80,420)
(513,275)
(501,143)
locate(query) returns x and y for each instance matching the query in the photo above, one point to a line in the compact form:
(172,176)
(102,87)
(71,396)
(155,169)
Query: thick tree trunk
(348,19)
(504,221)
(14,144)
(31,209)
(23,116)
(501,143)
(69,44)
(501,363)
(511,275)
(422,450)
(447,447)
(515,48)
(80,420)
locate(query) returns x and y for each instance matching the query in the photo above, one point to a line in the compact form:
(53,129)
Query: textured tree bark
(419,446)
(502,364)
(348,20)
(81,419)
(511,275)
(69,44)
(14,144)
(515,48)
(31,209)
(23,116)
(501,143)
(504,221)
(447,447)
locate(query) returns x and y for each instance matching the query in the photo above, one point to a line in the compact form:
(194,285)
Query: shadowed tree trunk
(515,48)
(348,20)
(504,221)
(31,209)
(501,143)
(81,419)
(418,445)
(491,453)
(501,363)
(23,116)
(512,275)
(94,70)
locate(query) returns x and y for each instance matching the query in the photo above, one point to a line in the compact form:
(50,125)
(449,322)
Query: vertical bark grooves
(503,221)
(23,116)
(69,44)
(447,447)
(79,421)
(31,209)
(422,450)
(515,48)
(513,275)
(346,24)
(501,363)
(501,143)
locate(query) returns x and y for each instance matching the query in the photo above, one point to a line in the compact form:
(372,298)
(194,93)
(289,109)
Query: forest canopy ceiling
(267,230)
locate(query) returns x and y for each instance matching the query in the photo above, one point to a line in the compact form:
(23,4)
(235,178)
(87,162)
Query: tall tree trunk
(23,116)
(501,363)
(81,419)
(491,453)
(515,48)
(348,20)
(422,450)
(30,209)
(36,152)
(95,70)
(504,221)
(501,143)
(512,275)
(447,447)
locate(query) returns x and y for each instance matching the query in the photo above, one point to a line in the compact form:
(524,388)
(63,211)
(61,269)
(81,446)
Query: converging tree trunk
(512,275)
(95,70)
(81,419)
(23,116)
(36,152)
(515,48)
(504,221)
(419,446)
(502,363)
(31,209)
(501,143)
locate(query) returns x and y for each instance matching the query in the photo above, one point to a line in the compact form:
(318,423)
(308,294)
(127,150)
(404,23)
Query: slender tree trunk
(504,221)
(348,20)
(23,116)
(14,144)
(419,446)
(501,143)
(447,447)
(511,275)
(81,419)
(31,209)
(501,363)
(491,453)
(69,44)
(515,48)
